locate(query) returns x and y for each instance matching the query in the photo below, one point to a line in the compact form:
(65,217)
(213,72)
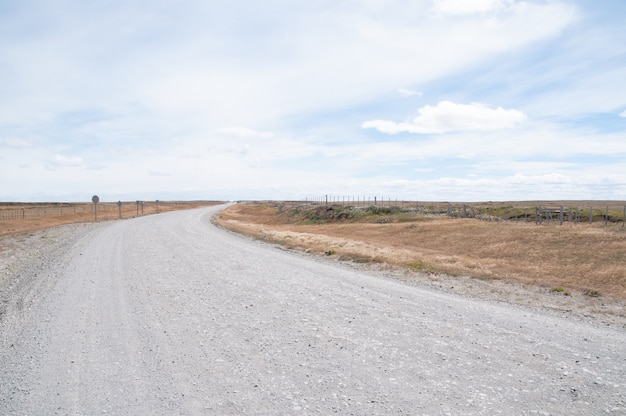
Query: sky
(431,100)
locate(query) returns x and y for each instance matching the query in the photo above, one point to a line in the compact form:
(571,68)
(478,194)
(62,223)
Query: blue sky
(412,99)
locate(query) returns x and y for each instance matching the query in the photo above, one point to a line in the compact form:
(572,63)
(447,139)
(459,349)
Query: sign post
(119,208)
(95,199)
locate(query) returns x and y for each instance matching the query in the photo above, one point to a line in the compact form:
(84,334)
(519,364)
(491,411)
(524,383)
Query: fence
(18,211)
(505,212)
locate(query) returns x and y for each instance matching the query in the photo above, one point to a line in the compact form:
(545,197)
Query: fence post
(569,215)
(537,217)
(606,217)
(590,215)
(561,216)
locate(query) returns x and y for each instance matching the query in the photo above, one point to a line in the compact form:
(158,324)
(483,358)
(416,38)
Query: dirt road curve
(168,315)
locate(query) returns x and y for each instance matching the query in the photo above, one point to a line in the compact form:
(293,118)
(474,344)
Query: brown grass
(582,257)
(79,213)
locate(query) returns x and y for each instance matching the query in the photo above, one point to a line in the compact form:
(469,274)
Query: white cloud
(59,161)
(183,62)
(159,173)
(150,97)
(447,116)
(15,143)
(409,93)
(466,7)
(244,132)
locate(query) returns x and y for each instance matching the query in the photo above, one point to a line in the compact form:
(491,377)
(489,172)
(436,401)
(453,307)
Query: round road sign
(95,199)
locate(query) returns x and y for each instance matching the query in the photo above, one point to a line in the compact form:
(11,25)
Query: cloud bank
(285,99)
(409,93)
(467,7)
(446,117)
(244,132)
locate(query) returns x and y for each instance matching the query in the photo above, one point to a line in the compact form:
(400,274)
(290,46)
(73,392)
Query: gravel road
(169,315)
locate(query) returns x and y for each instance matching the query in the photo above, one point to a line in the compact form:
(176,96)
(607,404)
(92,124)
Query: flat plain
(167,314)
(571,267)
(19,218)
(578,268)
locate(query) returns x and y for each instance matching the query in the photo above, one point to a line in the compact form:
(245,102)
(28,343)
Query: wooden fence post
(537,216)
(590,215)
(569,216)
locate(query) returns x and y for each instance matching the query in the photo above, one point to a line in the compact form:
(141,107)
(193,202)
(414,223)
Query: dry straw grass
(85,213)
(581,257)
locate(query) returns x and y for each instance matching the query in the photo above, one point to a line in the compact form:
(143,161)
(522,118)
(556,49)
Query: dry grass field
(564,259)
(26,217)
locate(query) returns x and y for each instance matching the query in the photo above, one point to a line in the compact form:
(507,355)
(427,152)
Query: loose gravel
(167,315)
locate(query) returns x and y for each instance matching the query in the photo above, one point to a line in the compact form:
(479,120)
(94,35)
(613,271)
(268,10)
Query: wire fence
(19,211)
(614,213)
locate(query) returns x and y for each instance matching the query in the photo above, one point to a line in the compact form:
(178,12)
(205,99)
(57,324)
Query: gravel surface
(168,315)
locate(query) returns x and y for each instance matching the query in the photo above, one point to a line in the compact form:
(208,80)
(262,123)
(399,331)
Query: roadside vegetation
(581,258)
(48,215)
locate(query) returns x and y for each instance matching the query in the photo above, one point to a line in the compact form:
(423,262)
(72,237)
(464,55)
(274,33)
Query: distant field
(16,217)
(563,258)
